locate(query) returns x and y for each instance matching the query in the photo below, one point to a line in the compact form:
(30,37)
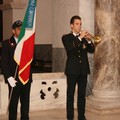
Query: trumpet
(94,38)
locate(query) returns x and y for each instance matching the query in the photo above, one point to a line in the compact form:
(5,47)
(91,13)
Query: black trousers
(72,80)
(23,92)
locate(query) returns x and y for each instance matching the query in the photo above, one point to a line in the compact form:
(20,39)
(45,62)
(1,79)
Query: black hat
(16,24)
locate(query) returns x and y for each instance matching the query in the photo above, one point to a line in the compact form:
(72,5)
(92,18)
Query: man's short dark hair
(74,18)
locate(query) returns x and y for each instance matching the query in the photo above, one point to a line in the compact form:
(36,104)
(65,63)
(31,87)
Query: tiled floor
(61,115)
(44,115)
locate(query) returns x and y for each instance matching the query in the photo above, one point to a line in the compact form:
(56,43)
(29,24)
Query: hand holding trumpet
(85,34)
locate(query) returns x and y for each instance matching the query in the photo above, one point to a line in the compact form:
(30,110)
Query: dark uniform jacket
(77,59)
(7,59)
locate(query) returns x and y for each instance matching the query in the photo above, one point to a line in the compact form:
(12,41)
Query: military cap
(16,24)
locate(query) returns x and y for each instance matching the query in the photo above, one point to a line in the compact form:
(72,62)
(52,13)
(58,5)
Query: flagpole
(7,111)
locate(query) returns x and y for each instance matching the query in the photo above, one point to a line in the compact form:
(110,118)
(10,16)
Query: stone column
(106,87)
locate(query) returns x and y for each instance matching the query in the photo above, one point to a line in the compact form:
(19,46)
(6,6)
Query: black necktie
(78,35)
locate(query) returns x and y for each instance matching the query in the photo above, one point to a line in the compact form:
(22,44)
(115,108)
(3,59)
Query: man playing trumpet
(77,44)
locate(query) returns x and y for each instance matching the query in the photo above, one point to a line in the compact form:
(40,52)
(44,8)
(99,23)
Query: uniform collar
(12,41)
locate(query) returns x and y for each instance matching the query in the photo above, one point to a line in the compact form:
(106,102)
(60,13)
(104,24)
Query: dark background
(1,23)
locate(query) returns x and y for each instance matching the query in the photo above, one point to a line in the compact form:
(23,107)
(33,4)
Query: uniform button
(79,51)
(79,56)
(80,61)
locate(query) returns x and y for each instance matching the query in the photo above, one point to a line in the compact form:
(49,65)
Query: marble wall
(48,91)
(3,96)
(106,76)
(105,98)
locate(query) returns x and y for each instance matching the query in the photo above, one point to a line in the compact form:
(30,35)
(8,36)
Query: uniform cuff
(89,42)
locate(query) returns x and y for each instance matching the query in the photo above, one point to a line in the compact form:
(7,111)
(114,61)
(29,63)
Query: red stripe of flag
(26,56)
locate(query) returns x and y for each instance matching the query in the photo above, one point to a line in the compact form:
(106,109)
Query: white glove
(12,81)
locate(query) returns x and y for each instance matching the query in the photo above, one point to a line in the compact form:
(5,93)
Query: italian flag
(23,54)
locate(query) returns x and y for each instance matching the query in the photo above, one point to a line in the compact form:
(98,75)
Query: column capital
(13,5)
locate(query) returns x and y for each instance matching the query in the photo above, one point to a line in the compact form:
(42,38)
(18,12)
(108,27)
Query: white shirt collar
(75,34)
(16,39)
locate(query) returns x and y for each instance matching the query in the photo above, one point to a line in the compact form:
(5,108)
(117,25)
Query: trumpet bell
(96,39)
